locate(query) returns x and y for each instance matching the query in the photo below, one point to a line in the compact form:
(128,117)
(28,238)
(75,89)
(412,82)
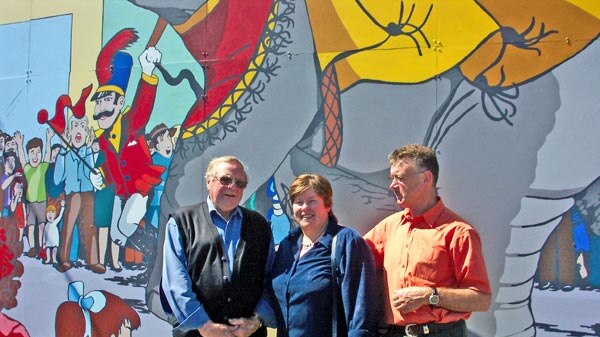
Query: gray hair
(212,166)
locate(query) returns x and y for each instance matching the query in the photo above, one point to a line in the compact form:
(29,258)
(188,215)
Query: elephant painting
(505,91)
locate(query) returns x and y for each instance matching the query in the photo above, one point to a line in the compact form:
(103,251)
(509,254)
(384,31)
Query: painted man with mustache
(128,165)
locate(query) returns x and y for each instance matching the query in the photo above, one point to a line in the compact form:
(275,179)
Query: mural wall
(505,91)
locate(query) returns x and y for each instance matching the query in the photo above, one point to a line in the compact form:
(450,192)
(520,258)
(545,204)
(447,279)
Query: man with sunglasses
(216,255)
(432,264)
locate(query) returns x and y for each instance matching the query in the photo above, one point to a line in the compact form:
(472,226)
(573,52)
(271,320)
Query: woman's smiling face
(310,211)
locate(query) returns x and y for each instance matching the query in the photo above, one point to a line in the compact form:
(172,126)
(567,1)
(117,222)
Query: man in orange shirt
(431,260)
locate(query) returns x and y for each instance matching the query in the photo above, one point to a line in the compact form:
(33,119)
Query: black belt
(416,330)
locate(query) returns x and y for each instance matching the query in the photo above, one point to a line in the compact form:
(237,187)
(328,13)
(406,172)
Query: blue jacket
(303,289)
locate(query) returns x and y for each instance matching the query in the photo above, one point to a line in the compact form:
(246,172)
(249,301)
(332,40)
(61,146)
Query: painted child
(7,177)
(98,313)
(51,234)
(18,211)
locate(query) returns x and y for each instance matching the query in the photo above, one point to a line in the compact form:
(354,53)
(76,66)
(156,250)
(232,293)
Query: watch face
(434,299)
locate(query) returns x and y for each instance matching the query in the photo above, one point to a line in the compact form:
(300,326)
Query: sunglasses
(229,182)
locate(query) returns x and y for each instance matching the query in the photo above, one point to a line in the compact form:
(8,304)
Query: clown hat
(113,66)
(58,122)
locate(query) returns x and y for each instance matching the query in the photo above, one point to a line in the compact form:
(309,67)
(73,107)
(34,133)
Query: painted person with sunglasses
(216,255)
(430,258)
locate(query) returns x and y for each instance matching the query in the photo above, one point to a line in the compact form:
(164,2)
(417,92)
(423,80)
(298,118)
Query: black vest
(224,295)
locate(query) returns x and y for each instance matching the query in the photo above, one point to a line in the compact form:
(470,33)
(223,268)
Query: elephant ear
(404,42)
(532,41)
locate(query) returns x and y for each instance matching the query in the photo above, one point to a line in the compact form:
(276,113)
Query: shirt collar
(295,234)
(70,151)
(213,210)
(430,217)
(81,151)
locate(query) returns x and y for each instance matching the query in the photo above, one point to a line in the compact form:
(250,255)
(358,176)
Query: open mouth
(398,195)
(78,138)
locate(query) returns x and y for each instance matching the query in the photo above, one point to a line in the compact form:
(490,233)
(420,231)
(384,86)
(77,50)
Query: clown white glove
(148,60)
(97,180)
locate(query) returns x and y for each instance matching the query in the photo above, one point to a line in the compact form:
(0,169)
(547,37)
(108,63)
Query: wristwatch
(434,298)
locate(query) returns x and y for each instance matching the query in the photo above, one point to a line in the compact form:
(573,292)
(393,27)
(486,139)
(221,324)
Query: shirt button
(127,178)
(123,163)
(228,299)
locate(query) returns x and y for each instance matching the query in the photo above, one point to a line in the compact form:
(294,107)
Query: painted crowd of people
(62,218)
(91,197)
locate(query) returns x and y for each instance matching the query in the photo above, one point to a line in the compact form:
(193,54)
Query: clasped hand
(410,298)
(238,327)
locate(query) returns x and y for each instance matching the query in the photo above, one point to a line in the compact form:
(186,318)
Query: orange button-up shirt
(436,249)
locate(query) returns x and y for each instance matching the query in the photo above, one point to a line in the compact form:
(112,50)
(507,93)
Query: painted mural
(110,111)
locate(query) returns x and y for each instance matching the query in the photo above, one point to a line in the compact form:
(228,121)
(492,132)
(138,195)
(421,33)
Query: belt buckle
(409,333)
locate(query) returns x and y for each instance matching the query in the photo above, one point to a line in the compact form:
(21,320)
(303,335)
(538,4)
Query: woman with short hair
(302,275)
